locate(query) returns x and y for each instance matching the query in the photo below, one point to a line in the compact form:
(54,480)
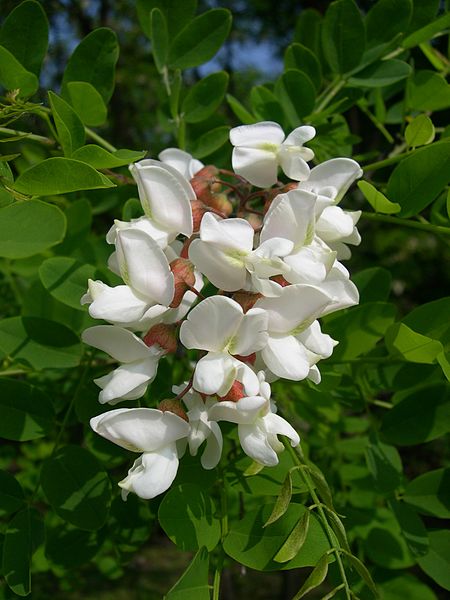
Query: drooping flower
(182,161)
(154,434)
(259,150)
(258,425)
(139,362)
(219,326)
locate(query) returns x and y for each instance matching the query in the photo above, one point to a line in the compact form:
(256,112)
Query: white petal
(316,341)
(144,267)
(245,411)
(119,304)
(300,136)
(279,426)
(213,451)
(227,234)
(160,236)
(334,224)
(212,324)
(291,216)
(127,381)
(338,286)
(255,444)
(165,195)
(337,173)
(286,357)
(314,375)
(140,429)
(297,307)
(119,343)
(215,374)
(310,264)
(153,473)
(251,335)
(293,162)
(252,136)
(258,166)
(182,161)
(222,270)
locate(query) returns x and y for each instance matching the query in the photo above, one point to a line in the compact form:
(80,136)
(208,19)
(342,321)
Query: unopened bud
(246,299)
(280,280)
(235,393)
(199,208)
(249,359)
(203,182)
(185,249)
(220,203)
(174,406)
(162,335)
(255,221)
(184,279)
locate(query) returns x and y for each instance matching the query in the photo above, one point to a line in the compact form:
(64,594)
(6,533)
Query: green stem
(437,229)
(375,121)
(297,456)
(330,93)
(101,141)
(5,267)
(386,162)
(10,372)
(31,136)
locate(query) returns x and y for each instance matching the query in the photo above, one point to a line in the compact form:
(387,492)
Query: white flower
(224,253)
(295,342)
(160,236)
(258,425)
(219,325)
(152,432)
(165,196)
(140,362)
(202,427)
(182,161)
(262,147)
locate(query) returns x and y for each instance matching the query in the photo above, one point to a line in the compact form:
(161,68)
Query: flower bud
(162,335)
(199,208)
(246,299)
(174,406)
(183,272)
(185,249)
(280,280)
(250,359)
(203,182)
(235,393)
(220,203)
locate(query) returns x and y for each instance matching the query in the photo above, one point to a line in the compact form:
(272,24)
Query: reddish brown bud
(198,210)
(255,221)
(162,335)
(235,393)
(174,406)
(183,272)
(249,359)
(280,280)
(220,203)
(203,182)
(246,299)
(185,249)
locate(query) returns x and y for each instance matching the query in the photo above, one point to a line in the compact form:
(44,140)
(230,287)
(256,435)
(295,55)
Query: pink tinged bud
(183,272)
(220,203)
(280,280)
(174,406)
(198,210)
(235,393)
(185,249)
(162,335)
(255,221)
(246,299)
(203,182)
(250,359)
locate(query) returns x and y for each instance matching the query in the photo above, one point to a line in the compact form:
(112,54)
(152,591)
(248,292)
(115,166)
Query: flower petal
(255,444)
(286,357)
(251,335)
(337,174)
(140,429)
(300,136)
(252,136)
(182,161)
(119,304)
(227,234)
(258,166)
(160,236)
(129,381)
(222,270)
(245,411)
(152,473)
(213,451)
(291,216)
(293,162)
(314,340)
(279,426)
(215,374)
(119,343)
(334,224)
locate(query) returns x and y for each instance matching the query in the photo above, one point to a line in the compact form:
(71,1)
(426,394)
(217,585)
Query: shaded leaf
(377,200)
(193,584)
(295,540)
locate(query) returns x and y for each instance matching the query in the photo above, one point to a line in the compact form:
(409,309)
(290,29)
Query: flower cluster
(273,255)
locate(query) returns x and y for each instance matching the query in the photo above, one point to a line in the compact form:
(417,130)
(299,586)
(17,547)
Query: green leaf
(412,528)
(436,563)
(160,38)
(298,56)
(27,413)
(428,90)
(430,493)
(174,99)
(412,346)
(240,111)
(19,236)
(41,343)
(377,200)
(420,415)
(404,586)
(79,220)
(295,540)
(315,578)
(266,105)
(77,487)
(186,514)
(373,284)
(307,29)
(193,584)
(426,33)
(254,546)
(177,14)
(132,209)
(200,39)
(384,464)
(420,177)
(204,98)
(420,131)
(424,11)
(386,19)
(11,493)
(99,158)
(87,103)
(209,142)
(381,74)
(297,95)
(68,125)
(66,279)
(359,329)
(25,532)
(59,176)
(67,546)
(25,34)
(363,572)
(15,77)
(130,522)
(343,36)
(282,503)
(94,61)
(431,319)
